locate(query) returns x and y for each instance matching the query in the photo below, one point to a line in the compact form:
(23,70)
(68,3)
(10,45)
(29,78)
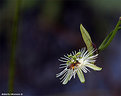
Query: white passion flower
(77,62)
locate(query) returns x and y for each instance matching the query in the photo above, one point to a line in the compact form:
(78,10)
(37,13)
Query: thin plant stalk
(13,47)
(110,37)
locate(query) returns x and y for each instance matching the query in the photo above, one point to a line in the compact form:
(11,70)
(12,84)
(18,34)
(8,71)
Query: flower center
(73,65)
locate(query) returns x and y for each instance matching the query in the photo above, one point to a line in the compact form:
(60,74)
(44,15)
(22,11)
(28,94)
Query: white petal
(90,53)
(64,75)
(61,73)
(93,57)
(63,64)
(71,74)
(81,76)
(79,50)
(66,79)
(66,57)
(62,67)
(62,60)
(85,53)
(73,53)
(74,74)
(84,70)
(89,61)
(82,51)
(94,67)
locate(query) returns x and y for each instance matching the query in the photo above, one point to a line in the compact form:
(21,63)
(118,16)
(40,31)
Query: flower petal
(67,77)
(61,73)
(94,67)
(81,76)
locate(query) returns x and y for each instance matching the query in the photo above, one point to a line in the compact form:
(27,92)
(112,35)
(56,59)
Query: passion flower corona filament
(77,62)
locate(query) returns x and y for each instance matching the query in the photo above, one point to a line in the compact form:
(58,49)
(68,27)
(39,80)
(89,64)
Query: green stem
(119,28)
(13,47)
(110,37)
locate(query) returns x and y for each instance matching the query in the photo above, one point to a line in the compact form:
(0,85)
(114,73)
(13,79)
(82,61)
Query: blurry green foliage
(29,3)
(106,5)
(51,9)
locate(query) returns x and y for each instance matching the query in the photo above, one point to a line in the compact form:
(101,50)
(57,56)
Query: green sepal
(81,76)
(86,37)
(94,67)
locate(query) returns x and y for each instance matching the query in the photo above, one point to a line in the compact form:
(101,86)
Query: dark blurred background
(48,29)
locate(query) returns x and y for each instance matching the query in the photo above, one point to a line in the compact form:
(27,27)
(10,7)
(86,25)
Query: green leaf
(86,37)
